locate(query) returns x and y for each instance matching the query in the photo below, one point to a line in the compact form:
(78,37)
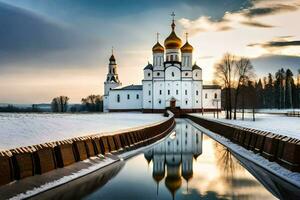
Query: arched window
(177,92)
(159,101)
(185,92)
(173,74)
(206,96)
(186,102)
(160,92)
(137,96)
(168,92)
(216,96)
(171,57)
(197,92)
(149,74)
(149,92)
(158,74)
(128,96)
(118,98)
(114,70)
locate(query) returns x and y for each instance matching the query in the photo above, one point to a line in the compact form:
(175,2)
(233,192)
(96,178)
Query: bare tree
(224,75)
(93,102)
(60,104)
(244,71)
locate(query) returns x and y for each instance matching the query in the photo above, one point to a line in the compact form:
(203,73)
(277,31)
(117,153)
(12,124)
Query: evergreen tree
(288,89)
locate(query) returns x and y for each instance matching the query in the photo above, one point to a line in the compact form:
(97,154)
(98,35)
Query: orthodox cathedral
(172,81)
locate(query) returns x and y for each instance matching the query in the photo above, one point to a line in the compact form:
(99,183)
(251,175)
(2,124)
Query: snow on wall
(280,124)
(18,130)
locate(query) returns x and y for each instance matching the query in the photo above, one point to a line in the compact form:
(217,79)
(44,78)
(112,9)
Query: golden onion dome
(173,183)
(187,48)
(173,41)
(158,48)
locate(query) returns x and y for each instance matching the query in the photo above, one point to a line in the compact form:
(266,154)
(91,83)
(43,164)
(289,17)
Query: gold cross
(173,15)
(157,36)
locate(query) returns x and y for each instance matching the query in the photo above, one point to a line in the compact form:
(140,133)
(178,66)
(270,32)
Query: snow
(273,111)
(280,124)
(17,130)
(93,167)
(292,177)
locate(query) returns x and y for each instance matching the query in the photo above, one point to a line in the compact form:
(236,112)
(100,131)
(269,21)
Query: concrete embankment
(19,163)
(283,150)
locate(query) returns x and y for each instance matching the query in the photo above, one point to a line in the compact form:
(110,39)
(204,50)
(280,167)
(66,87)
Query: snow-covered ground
(18,130)
(280,124)
(270,111)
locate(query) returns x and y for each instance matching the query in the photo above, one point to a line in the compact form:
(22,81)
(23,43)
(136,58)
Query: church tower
(158,55)
(172,44)
(112,80)
(187,55)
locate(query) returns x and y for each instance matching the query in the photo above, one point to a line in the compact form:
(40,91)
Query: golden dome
(173,183)
(158,176)
(187,48)
(173,41)
(158,48)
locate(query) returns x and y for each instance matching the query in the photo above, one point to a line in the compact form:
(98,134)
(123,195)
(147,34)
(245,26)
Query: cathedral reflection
(172,159)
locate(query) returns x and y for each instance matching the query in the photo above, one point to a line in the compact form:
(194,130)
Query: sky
(61,47)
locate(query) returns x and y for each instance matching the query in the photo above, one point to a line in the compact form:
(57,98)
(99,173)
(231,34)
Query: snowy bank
(279,124)
(17,130)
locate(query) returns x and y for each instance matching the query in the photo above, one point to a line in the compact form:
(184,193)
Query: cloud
(270,9)
(25,34)
(256,24)
(205,24)
(276,44)
(271,63)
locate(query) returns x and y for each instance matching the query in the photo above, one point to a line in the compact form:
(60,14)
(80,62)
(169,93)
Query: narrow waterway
(186,165)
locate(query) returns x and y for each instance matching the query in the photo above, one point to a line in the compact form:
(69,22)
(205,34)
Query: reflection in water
(176,153)
(217,174)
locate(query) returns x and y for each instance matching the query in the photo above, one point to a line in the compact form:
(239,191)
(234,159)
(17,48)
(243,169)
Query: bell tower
(112,79)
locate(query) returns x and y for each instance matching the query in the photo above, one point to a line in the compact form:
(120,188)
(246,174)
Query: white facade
(172,81)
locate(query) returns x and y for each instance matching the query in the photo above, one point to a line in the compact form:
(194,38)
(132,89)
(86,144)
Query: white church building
(172,81)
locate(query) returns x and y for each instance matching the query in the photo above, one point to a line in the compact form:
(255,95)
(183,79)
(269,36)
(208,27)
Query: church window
(186,102)
(160,92)
(159,101)
(158,74)
(197,101)
(176,57)
(173,74)
(168,92)
(216,95)
(149,74)
(128,96)
(177,92)
(206,96)
(197,92)
(149,101)
(177,142)
(149,92)
(137,96)
(171,57)
(185,92)
(118,98)
(186,74)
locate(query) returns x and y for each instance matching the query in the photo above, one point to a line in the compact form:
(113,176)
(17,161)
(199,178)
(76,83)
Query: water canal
(186,165)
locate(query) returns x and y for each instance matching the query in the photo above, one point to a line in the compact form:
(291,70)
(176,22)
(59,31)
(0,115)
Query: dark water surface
(186,165)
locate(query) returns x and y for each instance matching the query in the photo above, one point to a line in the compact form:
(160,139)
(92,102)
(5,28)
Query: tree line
(92,103)
(240,89)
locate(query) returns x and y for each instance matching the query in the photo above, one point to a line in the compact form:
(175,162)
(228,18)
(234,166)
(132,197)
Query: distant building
(171,81)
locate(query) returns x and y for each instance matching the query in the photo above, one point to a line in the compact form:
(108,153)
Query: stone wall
(274,147)
(23,162)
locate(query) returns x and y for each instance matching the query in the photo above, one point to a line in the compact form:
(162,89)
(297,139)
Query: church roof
(196,67)
(187,48)
(112,58)
(149,66)
(211,87)
(130,87)
(158,48)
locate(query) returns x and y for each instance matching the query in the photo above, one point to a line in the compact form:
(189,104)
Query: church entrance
(173,103)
